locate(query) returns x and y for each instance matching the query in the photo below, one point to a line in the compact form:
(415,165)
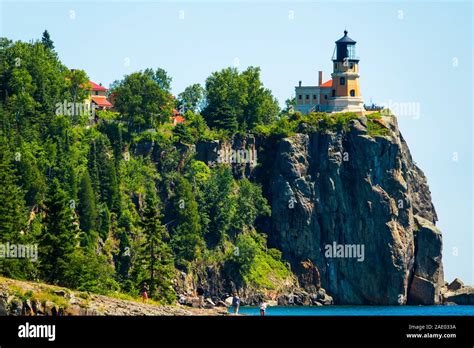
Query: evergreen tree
(156,256)
(87,207)
(104,223)
(12,206)
(225,117)
(218,204)
(186,238)
(58,239)
(46,41)
(182,134)
(104,167)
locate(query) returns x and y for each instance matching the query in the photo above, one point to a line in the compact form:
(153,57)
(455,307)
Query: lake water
(361,310)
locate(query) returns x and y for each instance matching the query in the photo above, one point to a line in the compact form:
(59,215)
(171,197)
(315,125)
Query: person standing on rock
(236,303)
(144,292)
(263,308)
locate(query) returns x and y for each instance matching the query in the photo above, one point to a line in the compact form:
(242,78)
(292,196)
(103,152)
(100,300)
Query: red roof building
(98,95)
(101,102)
(177,117)
(326,84)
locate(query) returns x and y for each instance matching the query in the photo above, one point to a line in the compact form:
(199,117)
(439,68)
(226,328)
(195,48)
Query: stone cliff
(353,191)
(350,188)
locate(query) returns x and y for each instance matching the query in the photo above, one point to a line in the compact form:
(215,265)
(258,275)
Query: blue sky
(413,54)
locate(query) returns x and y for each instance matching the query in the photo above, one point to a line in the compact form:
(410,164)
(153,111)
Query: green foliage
(376,129)
(46,40)
(284,127)
(182,134)
(12,208)
(250,204)
(289,125)
(238,101)
(219,204)
(58,239)
(155,261)
(87,206)
(186,234)
(192,98)
(199,172)
(122,199)
(87,271)
(258,268)
(143,99)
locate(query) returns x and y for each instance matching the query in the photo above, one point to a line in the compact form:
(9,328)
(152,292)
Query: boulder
(61,293)
(427,264)
(208,303)
(423,291)
(308,276)
(221,304)
(26,309)
(15,307)
(3,307)
(455,285)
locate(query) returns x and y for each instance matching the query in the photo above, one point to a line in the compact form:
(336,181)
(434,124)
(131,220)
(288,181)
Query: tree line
(107,212)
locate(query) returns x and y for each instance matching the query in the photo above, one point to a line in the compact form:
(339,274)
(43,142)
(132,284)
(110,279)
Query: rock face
(428,271)
(240,152)
(359,193)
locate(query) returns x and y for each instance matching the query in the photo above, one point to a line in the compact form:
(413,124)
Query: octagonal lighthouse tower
(345,94)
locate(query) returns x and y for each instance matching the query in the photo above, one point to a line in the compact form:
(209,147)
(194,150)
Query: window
(351,66)
(315,96)
(307,96)
(325,96)
(300,96)
(333,92)
(353,93)
(342,81)
(96,92)
(335,66)
(351,52)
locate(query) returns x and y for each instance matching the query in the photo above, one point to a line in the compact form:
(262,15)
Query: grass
(267,272)
(39,296)
(374,128)
(313,122)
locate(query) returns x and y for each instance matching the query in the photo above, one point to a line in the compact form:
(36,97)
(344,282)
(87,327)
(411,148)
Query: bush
(89,272)
(258,268)
(375,129)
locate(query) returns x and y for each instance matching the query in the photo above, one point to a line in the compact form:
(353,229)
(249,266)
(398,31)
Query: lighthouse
(339,94)
(345,93)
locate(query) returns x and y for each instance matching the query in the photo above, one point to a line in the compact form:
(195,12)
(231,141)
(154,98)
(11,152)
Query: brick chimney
(320,78)
(299,83)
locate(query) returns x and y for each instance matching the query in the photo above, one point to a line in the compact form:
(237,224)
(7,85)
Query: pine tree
(46,41)
(218,204)
(104,222)
(186,238)
(109,189)
(225,118)
(156,255)
(93,170)
(12,205)
(58,240)
(87,207)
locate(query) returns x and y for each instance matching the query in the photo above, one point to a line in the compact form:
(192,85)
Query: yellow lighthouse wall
(351,83)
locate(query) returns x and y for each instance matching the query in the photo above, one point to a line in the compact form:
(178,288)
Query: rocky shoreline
(21,298)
